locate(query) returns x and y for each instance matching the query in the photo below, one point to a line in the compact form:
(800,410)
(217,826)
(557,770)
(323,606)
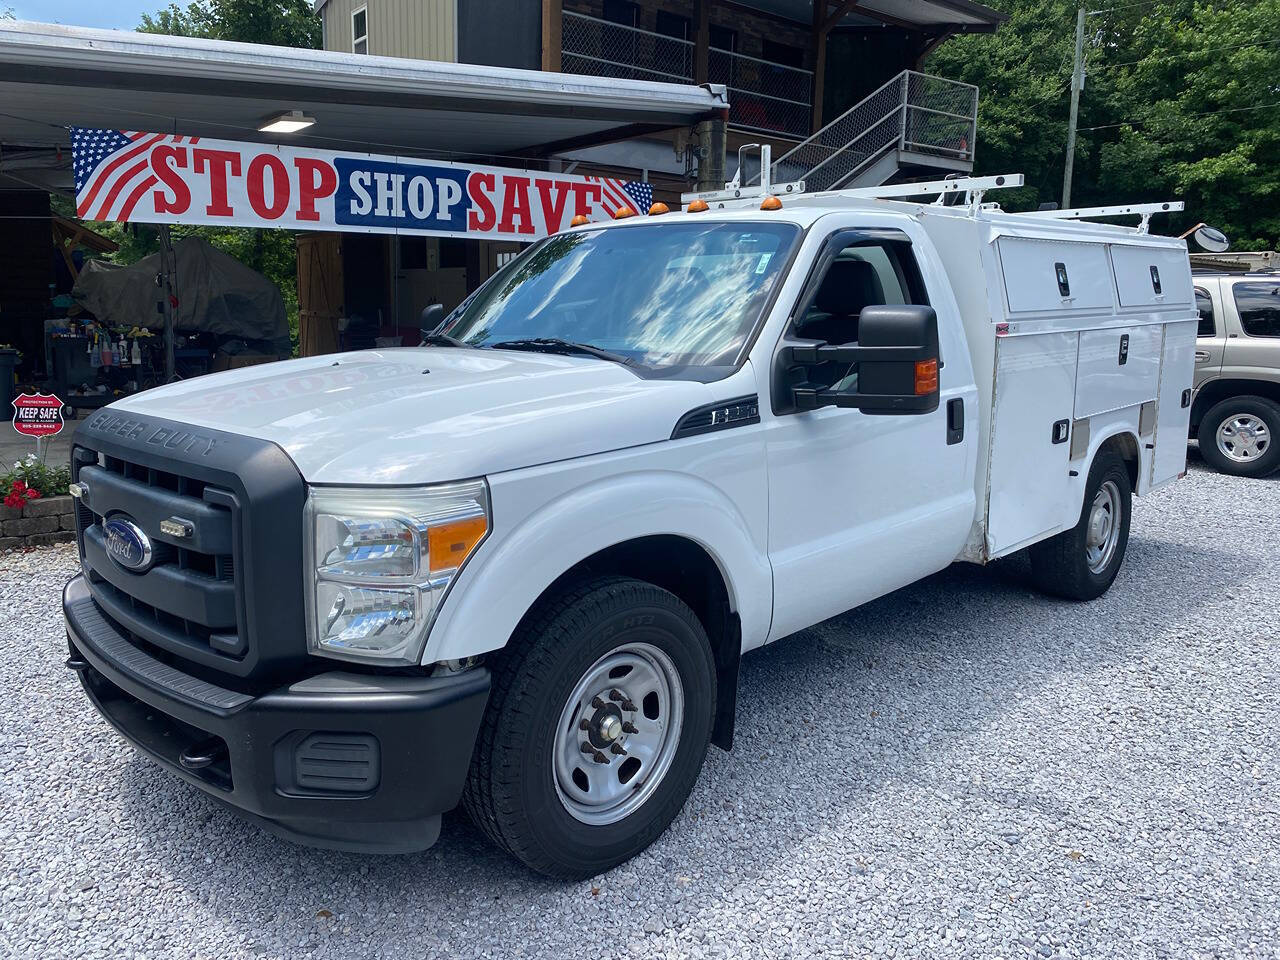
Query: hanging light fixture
(289,122)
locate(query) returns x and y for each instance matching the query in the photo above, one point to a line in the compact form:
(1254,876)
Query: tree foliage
(284,23)
(1180,101)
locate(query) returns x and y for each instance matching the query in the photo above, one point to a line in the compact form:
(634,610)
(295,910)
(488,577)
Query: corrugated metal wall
(418,29)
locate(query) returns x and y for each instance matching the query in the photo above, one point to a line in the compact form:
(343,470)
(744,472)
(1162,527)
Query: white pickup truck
(518,566)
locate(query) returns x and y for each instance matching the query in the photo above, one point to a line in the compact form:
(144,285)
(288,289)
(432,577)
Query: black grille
(187,601)
(225,599)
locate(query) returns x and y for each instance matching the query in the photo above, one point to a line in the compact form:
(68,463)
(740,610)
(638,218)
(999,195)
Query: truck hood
(422,415)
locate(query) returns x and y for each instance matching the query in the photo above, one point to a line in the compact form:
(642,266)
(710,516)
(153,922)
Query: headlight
(380,563)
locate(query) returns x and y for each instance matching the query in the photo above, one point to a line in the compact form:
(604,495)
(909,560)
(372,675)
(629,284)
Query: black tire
(1268,411)
(1060,565)
(511,790)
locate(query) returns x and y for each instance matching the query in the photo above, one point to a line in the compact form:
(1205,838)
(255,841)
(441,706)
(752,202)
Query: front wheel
(1241,436)
(597,725)
(1081,563)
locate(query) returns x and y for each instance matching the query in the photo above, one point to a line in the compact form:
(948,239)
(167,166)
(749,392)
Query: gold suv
(1236,410)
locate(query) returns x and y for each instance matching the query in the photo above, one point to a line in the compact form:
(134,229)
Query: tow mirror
(1211,239)
(897,364)
(432,317)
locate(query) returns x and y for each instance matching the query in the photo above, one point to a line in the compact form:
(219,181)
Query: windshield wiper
(442,340)
(557,345)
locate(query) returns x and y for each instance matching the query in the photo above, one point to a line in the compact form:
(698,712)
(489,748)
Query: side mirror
(1211,239)
(432,317)
(897,357)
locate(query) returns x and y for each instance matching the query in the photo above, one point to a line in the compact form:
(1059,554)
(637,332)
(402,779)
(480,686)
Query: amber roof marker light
(658,209)
(771,203)
(579,221)
(698,206)
(623,212)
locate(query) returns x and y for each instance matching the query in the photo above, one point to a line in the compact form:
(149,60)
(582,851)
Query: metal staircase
(914,123)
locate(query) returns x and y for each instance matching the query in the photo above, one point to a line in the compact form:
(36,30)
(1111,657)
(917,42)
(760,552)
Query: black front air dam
(391,755)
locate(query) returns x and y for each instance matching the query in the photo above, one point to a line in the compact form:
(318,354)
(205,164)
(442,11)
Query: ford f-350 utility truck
(517,566)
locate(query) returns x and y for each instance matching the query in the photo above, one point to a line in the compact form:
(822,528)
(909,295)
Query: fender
(550,538)
(1104,427)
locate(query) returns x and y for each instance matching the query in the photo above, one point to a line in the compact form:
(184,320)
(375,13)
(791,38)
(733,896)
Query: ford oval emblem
(127,545)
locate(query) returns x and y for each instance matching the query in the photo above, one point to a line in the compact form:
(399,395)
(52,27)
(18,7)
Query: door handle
(955,420)
(1201,356)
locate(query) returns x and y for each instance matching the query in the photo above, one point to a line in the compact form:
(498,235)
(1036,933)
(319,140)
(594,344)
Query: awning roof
(53,76)
(961,16)
(956,15)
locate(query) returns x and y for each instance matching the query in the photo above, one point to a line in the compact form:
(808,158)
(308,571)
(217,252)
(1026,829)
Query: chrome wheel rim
(1104,527)
(1243,438)
(618,734)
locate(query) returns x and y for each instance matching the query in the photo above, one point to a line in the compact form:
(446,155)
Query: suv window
(1204,306)
(1259,306)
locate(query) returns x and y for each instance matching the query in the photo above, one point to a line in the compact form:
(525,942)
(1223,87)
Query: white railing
(913,112)
(764,96)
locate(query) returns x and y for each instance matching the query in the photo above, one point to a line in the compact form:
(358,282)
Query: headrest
(849,286)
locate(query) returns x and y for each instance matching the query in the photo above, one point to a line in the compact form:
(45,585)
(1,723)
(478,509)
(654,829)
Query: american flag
(113,169)
(635,194)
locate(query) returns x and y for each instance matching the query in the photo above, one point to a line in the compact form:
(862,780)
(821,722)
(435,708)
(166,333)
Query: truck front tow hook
(77,664)
(202,754)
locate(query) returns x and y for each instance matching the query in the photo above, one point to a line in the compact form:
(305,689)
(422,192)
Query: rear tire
(610,663)
(1081,563)
(1241,436)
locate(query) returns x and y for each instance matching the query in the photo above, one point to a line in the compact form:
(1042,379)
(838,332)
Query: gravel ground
(962,769)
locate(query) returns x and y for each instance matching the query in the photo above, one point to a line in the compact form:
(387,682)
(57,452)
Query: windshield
(659,295)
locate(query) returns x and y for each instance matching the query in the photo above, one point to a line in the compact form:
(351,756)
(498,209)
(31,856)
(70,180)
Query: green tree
(1180,101)
(284,23)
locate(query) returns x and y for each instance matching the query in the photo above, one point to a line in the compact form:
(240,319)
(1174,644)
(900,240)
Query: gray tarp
(216,293)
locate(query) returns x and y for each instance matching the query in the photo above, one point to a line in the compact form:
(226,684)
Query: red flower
(33,493)
(18,487)
(14,500)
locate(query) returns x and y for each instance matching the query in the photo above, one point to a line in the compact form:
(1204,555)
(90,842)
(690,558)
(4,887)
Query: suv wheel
(597,725)
(1241,436)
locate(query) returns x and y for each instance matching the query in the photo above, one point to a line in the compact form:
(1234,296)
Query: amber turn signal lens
(658,209)
(579,221)
(623,212)
(771,203)
(449,544)
(697,206)
(926,377)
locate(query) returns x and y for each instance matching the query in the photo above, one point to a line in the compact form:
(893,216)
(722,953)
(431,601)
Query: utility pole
(1077,84)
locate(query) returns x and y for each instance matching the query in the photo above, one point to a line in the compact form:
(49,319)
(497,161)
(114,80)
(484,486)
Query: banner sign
(128,175)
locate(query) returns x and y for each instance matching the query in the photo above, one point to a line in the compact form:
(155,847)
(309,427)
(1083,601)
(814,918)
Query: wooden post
(823,22)
(819,43)
(552,34)
(701,40)
(168,261)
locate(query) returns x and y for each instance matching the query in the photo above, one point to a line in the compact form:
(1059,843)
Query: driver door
(861,504)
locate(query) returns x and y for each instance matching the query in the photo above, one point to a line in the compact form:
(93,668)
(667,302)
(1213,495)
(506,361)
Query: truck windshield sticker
(764,262)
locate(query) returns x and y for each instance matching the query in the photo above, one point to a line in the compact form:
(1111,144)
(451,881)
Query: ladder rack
(928,188)
(1143,210)
(972,187)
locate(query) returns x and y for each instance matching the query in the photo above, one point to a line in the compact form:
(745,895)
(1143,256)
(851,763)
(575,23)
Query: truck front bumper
(342,760)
